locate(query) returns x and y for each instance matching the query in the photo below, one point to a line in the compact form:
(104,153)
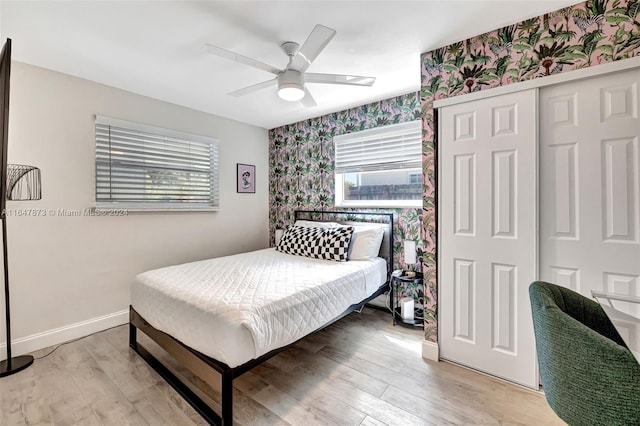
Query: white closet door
(488,234)
(589,219)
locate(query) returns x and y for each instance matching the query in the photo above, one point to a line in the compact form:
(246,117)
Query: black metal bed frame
(224,415)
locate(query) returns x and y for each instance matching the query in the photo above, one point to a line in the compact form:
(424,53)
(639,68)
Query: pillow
(365,242)
(313,224)
(317,243)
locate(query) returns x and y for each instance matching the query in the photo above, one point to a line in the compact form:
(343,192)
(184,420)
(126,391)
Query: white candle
(406,308)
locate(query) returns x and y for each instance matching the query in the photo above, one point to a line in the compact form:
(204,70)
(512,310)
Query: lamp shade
(23,182)
(410,252)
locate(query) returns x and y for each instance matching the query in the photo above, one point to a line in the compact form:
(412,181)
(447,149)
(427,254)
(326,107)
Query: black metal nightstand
(397,318)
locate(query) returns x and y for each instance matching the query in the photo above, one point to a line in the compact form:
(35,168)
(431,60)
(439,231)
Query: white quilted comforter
(237,308)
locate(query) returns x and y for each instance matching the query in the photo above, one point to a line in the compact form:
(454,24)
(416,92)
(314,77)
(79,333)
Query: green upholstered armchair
(588,375)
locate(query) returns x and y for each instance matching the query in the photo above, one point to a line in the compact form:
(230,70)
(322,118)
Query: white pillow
(313,224)
(365,242)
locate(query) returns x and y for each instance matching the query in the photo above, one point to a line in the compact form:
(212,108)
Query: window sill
(381,204)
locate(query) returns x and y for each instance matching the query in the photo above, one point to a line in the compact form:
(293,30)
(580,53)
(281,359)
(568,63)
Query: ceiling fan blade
(227,54)
(308,100)
(253,88)
(351,80)
(313,45)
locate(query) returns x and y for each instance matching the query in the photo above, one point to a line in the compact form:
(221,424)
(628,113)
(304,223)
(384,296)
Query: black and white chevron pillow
(317,243)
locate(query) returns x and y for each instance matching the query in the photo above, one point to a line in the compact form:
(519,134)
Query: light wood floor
(360,371)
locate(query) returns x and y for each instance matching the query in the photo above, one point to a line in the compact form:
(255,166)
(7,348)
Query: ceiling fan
(291,80)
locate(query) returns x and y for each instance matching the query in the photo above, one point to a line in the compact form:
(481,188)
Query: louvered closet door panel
(487,253)
(590,180)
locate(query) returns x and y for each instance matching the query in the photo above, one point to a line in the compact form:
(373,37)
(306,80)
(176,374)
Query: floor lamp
(23,183)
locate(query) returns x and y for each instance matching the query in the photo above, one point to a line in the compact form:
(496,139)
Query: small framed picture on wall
(246,178)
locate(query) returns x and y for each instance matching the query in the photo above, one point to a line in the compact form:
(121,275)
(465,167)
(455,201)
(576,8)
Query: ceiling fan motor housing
(291,85)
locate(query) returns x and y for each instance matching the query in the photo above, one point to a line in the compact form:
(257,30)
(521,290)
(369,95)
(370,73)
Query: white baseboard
(56,336)
(430,351)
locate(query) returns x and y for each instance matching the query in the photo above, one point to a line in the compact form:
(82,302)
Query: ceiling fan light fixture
(291,93)
(290,85)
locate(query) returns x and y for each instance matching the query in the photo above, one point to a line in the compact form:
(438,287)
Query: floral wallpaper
(583,35)
(301,171)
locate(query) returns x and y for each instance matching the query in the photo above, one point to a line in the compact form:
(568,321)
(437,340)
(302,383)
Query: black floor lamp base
(18,364)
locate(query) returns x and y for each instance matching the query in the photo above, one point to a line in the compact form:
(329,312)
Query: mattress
(237,308)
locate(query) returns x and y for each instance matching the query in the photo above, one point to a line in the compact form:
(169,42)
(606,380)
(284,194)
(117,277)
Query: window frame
(378,133)
(213,202)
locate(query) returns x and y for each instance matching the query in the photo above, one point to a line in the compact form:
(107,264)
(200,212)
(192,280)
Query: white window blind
(393,147)
(145,167)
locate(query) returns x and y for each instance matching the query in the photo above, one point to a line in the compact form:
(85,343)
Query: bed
(219,318)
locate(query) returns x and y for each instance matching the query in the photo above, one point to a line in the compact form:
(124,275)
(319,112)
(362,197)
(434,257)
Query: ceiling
(155,48)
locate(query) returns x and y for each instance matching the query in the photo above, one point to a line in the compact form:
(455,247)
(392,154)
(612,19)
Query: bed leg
(227,398)
(133,334)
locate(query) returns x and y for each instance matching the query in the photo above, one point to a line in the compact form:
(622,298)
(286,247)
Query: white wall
(68,271)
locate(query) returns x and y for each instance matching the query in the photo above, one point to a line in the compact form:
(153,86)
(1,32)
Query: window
(380,167)
(149,168)
(415,178)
